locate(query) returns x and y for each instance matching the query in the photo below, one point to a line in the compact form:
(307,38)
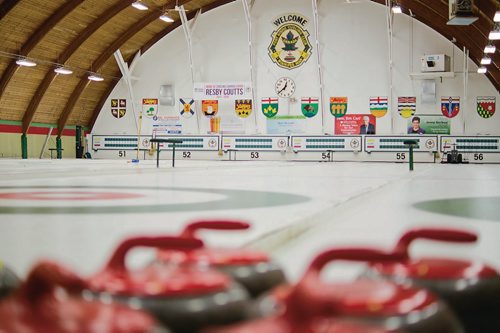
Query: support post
(466,86)
(124,69)
(24,146)
(46,141)
(390,33)
(320,72)
(187,34)
(247,7)
(59,147)
(410,144)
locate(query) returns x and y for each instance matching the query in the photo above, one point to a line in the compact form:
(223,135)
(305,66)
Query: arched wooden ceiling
(84,34)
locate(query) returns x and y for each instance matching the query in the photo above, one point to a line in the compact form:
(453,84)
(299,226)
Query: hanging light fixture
(496,18)
(490,48)
(139,5)
(95,77)
(482,70)
(486,60)
(396,9)
(495,33)
(164,17)
(63,70)
(25,62)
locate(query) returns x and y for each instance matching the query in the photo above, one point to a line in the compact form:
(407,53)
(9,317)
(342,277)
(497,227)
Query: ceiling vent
(460,12)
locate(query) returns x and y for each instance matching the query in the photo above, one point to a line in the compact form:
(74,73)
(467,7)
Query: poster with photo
(355,124)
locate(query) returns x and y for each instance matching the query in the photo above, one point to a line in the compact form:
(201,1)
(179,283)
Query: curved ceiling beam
(150,43)
(6,6)
(65,55)
(35,38)
(100,61)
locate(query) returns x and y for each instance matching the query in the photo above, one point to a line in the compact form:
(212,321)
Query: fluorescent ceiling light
(63,70)
(25,62)
(396,9)
(166,18)
(490,48)
(485,61)
(95,77)
(496,18)
(481,70)
(139,5)
(495,33)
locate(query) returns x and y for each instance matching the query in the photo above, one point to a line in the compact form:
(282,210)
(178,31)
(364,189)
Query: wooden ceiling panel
(17,27)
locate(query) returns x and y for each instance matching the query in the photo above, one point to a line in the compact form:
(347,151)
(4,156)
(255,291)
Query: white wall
(354,52)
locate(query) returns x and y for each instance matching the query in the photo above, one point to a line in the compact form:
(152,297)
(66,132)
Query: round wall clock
(285,87)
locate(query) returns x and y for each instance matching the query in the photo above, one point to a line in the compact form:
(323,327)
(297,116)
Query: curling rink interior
(76,211)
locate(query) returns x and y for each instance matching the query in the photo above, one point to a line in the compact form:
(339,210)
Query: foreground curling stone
(184,297)
(471,288)
(253,269)
(380,304)
(46,302)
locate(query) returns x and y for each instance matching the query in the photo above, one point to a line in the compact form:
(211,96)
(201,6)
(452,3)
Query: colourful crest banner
(338,106)
(243,107)
(486,106)
(310,106)
(450,106)
(407,106)
(269,107)
(378,106)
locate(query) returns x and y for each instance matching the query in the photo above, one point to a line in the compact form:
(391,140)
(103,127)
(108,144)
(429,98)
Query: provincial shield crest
(378,106)
(407,106)
(118,107)
(150,107)
(269,107)
(310,106)
(290,46)
(450,106)
(338,106)
(486,106)
(243,107)
(187,106)
(210,107)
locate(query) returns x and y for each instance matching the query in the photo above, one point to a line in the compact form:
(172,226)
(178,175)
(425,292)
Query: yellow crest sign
(290,46)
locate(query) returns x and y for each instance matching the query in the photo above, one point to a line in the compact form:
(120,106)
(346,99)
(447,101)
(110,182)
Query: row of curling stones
(182,289)
(8,280)
(470,289)
(361,306)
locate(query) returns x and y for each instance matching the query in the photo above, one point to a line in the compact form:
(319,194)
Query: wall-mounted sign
(310,106)
(270,106)
(187,107)
(243,107)
(407,106)
(163,125)
(229,91)
(118,107)
(352,124)
(290,46)
(150,107)
(210,107)
(450,106)
(433,124)
(486,106)
(338,106)
(378,106)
